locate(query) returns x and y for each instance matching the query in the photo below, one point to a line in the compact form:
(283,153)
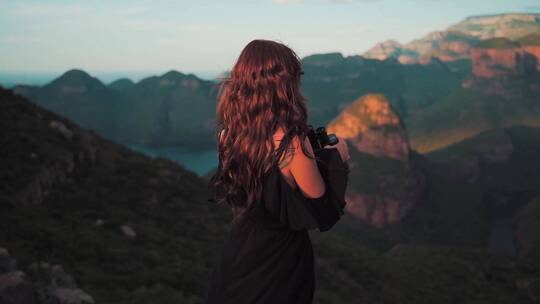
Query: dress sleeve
(300,212)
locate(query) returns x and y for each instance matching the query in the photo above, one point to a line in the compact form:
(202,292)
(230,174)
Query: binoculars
(319,138)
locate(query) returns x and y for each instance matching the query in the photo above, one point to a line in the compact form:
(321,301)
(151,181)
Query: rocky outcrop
(386,182)
(505,68)
(372,126)
(42,283)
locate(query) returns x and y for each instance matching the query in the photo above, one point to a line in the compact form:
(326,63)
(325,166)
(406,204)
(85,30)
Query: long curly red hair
(261,94)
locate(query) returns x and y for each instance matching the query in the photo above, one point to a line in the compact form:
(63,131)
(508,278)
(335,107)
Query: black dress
(268,257)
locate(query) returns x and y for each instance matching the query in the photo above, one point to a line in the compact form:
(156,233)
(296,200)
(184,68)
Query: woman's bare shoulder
(303,168)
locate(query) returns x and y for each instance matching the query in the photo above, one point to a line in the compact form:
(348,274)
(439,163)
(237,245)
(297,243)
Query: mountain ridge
(466,34)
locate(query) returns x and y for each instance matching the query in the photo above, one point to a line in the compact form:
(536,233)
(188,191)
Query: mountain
(386,49)
(130,229)
(121,84)
(501,91)
(446,46)
(502,164)
(481,75)
(323,60)
(177,109)
(81,97)
(469,111)
(385,183)
(124,225)
(371,125)
(332,81)
(173,109)
(457,41)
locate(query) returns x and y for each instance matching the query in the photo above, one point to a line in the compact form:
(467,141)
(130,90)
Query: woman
(268,175)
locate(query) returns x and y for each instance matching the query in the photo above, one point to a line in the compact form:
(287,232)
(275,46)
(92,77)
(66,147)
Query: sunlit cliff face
(372,126)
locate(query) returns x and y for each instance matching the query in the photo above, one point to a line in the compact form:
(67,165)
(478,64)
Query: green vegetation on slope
(467,112)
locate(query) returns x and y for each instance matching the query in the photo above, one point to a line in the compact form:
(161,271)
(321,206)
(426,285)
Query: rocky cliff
(531,45)
(501,57)
(444,45)
(457,41)
(505,68)
(385,181)
(372,125)
(512,25)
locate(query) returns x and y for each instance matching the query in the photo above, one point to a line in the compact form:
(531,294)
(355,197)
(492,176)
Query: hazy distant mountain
(176,109)
(121,84)
(171,109)
(457,41)
(83,98)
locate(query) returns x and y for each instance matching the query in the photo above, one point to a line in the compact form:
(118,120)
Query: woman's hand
(343,149)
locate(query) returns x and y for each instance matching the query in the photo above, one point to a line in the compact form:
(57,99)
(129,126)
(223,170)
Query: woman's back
(264,260)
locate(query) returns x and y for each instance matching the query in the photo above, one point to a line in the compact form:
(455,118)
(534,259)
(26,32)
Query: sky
(205,37)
